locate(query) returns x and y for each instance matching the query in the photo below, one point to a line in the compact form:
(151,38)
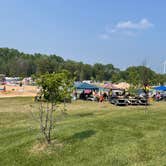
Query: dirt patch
(38,148)
(46,148)
(16,90)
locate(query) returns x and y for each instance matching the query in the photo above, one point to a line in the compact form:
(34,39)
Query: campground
(89,133)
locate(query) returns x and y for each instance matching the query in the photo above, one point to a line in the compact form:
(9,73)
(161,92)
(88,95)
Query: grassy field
(90,134)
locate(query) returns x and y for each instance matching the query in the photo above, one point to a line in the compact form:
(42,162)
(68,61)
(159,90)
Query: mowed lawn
(89,134)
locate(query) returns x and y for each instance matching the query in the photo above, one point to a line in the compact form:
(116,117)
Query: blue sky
(121,32)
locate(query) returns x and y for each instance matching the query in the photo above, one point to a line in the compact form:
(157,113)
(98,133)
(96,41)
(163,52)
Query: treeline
(15,63)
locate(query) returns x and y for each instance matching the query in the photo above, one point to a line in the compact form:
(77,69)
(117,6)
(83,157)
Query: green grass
(91,134)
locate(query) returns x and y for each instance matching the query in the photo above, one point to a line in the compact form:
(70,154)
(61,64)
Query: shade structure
(123,85)
(110,86)
(160,88)
(85,86)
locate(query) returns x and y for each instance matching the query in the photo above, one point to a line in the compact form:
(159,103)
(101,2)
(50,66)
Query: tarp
(160,88)
(85,86)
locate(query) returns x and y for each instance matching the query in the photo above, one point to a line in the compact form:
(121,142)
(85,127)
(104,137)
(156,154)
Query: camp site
(102,120)
(82,83)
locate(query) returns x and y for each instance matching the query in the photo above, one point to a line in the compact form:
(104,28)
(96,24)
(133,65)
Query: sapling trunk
(46,120)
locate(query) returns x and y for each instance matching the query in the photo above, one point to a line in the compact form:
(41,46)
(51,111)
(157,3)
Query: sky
(121,32)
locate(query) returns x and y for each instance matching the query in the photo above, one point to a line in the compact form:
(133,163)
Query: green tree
(15,63)
(55,88)
(98,70)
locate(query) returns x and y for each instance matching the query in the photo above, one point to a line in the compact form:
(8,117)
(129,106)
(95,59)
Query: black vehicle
(143,101)
(118,98)
(163,95)
(133,101)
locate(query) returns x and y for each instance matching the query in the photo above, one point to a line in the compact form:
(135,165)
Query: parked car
(118,97)
(133,101)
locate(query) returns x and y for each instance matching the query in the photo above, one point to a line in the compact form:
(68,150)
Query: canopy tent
(85,86)
(123,85)
(160,88)
(110,86)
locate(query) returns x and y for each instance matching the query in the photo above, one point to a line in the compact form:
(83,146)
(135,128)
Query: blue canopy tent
(160,88)
(85,86)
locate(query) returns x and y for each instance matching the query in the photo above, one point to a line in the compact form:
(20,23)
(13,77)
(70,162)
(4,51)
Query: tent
(110,86)
(85,86)
(160,88)
(123,85)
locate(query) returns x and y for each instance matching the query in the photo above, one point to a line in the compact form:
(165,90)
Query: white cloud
(142,24)
(127,28)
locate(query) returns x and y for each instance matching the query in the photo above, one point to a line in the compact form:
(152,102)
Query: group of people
(159,96)
(101,96)
(91,95)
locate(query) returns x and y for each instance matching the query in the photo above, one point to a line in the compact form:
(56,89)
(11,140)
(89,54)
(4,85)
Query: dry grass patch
(43,147)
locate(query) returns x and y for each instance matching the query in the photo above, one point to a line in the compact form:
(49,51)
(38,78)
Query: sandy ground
(16,90)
